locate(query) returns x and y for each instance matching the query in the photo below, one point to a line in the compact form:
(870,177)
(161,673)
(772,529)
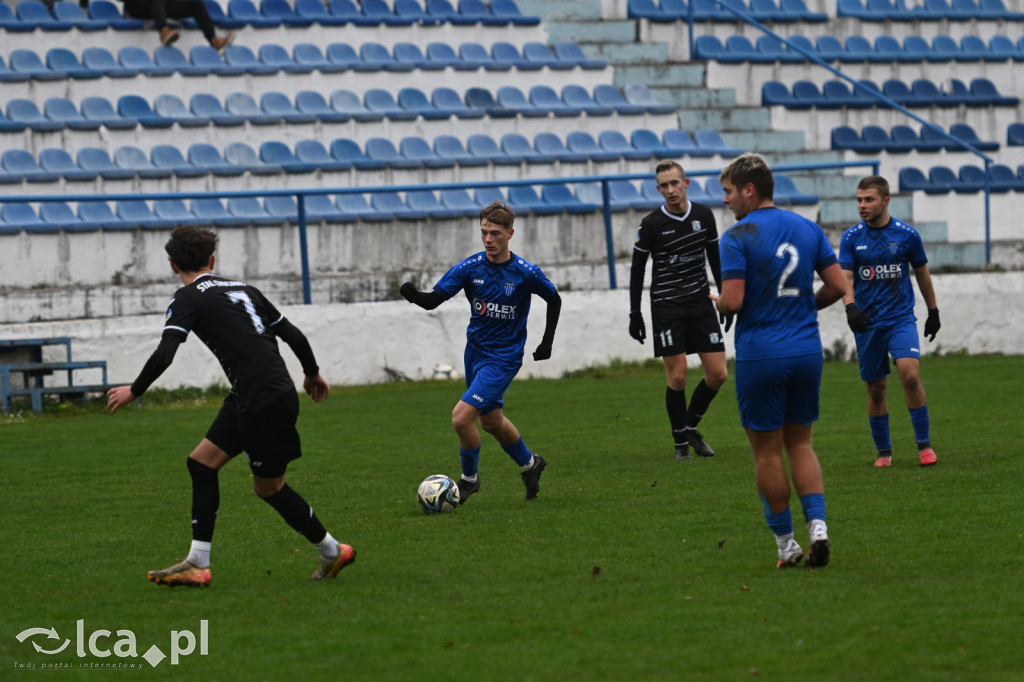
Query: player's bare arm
(833,286)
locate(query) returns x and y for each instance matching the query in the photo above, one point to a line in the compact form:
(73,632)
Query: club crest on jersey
(713,337)
(696,225)
(510,288)
(893,248)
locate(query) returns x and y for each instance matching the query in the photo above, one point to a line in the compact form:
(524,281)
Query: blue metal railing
(300,195)
(878,96)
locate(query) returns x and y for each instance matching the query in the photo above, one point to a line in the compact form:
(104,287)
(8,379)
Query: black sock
(299,515)
(205,500)
(675,402)
(699,403)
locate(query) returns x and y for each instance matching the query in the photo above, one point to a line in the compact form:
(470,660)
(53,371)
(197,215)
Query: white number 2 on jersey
(250,309)
(788,251)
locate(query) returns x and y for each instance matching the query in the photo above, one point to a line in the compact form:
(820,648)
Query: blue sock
(519,452)
(814,507)
(922,424)
(470,461)
(880,432)
(781,523)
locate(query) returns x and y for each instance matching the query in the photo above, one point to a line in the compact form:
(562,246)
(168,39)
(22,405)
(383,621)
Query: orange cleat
(329,568)
(927,457)
(182,573)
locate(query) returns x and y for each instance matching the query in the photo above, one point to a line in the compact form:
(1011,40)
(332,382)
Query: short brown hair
(668,165)
(190,247)
(875,182)
(751,169)
(499,213)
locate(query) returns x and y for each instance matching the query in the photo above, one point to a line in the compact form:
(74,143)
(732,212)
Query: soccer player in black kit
(241,327)
(677,236)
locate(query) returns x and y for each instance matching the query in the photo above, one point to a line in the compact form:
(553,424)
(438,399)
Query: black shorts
(268,438)
(693,331)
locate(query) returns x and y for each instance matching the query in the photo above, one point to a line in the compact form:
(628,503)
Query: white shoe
(791,554)
(818,554)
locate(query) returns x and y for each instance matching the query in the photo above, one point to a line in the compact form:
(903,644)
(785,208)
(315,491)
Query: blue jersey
(499,297)
(776,253)
(878,258)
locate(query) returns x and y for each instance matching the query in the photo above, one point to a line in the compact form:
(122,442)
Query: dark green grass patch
(629,566)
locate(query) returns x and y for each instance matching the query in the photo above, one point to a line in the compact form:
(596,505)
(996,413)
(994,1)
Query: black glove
(636,326)
(543,351)
(856,318)
(932,324)
(408,291)
(725,321)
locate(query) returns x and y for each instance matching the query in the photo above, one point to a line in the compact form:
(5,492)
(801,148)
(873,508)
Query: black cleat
(467,488)
(531,477)
(696,442)
(683,451)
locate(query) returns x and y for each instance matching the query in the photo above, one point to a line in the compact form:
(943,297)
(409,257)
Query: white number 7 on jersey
(250,309)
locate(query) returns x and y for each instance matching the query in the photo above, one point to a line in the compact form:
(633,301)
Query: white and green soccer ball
(445,373)
(438,494)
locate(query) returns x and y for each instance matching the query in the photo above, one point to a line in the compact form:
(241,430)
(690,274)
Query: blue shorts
(874,347)
(777,391)
(487,379)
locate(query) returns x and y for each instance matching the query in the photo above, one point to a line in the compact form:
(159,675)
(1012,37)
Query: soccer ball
(437,494)
(445,373)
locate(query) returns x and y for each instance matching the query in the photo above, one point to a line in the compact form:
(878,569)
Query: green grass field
(629,566)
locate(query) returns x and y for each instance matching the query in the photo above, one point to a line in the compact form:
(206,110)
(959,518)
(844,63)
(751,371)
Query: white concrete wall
(982,313)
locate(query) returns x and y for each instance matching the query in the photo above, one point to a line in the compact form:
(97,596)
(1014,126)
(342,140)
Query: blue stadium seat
(414,11)
(346,12)
(485,196)
(739,49)
(996,9)
(138,60)
(441,12)
(172,58)
(845,137)
(348,151)
(647,9)
(278,104)
(315,11)
(27,63)
(283,209)
(410,54)
(1004,179)
(377,56)
(516,145)
(283,12)
(244,10)
(966,133)
(460,200)
(944,49)
(343,58)
(241,154)
(63,60)
(828,47)
(904,139)
(1001,48)
(942,180)
(972,179)
(134,107)
(96,160)
(888,49)
(391,203)
(22,164)
(958,93)
(561,197)
(134,159)
(799,10)
(63,111)
(320,207)
(552,145)
(72,14)
(472,56)
(485,148)
(713,189)
(427,202)
(108,13)
(773,48)
(786,192)
(348,103)
(170,106)
(986,89)
(710,140)
(859,49)
(582,142)
(508,11)
(446,99)
(56,160)
(481,99)
(419,150)
(539,54)
(898,91)
(100,59)
(208,59)
(242,58)
(381,12)
(476,9)
(513,99)
(933,141)
(975,49)
(926,91)
(9,22)
(639,94)
(170,158)
(694,192)
(137,212)
(207,157)
(524,198)
(507,53)
(9,76)
(1015,135)
(35,14)
(97,215)
(680,143)
(210,211)
(278,153)
(571,52)
(806,95)
(313,103)
(356,207)
(243,105)
(574,100)
(17,217)
(308,55)
(442,55)
(383,150)
(381,101)
(312,152)
(249,211)
(841,94)
(877,137)
(610,96)
(414,100)
(774,93)
(710,48)
(173,210)
(25,113)
(625,194)
(649,142)
(451,148)
(59,216)
(615,142)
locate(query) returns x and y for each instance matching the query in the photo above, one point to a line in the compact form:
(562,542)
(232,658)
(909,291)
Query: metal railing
(873,92)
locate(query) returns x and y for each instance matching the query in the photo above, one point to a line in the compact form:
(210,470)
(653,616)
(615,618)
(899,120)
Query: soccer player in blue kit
(769,259)
(874,255)
(499,286)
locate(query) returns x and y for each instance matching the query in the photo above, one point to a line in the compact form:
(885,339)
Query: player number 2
(250,309)
(789,252)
